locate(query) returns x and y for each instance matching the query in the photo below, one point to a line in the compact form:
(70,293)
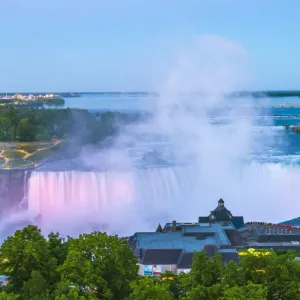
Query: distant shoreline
(63,95)
(237,94)
(266,93)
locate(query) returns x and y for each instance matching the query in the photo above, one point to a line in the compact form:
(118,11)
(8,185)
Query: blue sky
(96,45)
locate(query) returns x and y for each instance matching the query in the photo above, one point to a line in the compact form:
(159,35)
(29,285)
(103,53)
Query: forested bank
(33,124)
(98,266)
(39,102)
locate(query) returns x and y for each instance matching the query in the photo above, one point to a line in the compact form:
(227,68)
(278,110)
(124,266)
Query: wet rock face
(13,186)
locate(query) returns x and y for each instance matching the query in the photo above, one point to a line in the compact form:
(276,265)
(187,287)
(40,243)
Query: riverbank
(16,156)
(39,102)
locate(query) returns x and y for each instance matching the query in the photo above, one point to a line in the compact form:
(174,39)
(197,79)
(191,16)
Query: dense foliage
(39,102)
(25,124)
(98,266)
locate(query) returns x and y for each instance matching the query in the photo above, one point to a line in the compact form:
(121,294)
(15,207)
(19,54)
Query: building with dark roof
(222,214)
(259,235)
(172,247)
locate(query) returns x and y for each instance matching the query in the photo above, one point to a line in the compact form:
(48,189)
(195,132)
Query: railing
(259,224)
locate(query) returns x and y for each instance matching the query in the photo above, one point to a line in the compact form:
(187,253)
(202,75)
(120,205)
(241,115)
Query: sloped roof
(234,237)
(237,222)
(186,238)
(185,261)
(171,240)
(160,256)
(230,256)
(295,222)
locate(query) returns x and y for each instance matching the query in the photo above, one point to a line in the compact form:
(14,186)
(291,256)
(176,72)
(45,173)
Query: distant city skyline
(92,46)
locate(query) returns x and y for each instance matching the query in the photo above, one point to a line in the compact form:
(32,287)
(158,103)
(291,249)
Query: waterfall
(140,198)
(12,189)
(135,200)
(126,198)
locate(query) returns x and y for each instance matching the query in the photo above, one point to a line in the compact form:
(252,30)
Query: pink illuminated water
(120,199)
(127,201)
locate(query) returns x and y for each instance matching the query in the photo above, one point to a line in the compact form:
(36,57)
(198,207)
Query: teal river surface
(268,124)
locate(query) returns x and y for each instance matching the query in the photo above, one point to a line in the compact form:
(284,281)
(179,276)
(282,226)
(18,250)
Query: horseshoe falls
(76,201)
(116,199)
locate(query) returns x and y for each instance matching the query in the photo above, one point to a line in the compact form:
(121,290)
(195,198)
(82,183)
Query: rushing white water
(75,201)
(132,200)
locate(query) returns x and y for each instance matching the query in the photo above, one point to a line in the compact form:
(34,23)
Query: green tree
(67,291)
(25,130)
(185,283)
(254,264)
(5,128)
(174,283)
(58,247)
(35,288)
(42,135)
(13,119)
(200,292)
(282,277)
(5,296)
(100,263)
(32,124)
(26,251)
(250,291)
(206,271)
(279,273)
(147,288)
(233,275)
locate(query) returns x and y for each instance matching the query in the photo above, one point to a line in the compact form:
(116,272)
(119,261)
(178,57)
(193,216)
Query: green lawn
(4,146)
(18,163)
(28,147)
(15,153)
(42,154)
(12,154)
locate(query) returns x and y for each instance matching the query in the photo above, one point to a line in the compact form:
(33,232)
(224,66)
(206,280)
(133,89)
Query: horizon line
(150,92)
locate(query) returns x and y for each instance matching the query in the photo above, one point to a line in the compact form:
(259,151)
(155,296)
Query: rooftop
(188,238)
(293,222)
(291,244)
(176,242)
